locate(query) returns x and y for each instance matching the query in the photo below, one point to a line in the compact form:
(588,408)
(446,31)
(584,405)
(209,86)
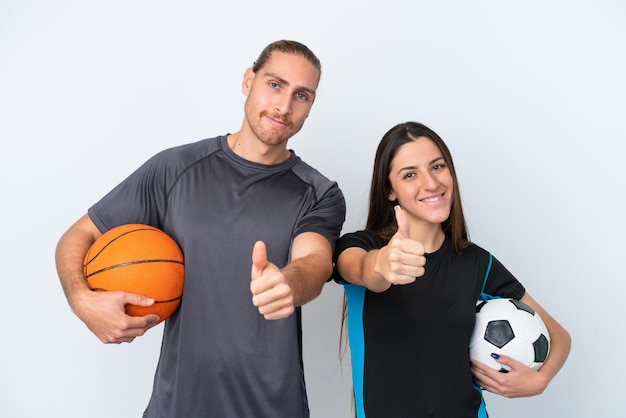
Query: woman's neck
(431,236)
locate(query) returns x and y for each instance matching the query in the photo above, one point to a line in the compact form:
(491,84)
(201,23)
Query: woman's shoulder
(472,248)
(470,253)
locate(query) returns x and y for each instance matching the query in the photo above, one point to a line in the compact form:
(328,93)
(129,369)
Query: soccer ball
(512,328)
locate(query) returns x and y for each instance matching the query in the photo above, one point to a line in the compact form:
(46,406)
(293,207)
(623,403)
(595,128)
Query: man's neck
(254,150)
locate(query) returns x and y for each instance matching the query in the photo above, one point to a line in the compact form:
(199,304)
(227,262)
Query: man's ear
(246,84)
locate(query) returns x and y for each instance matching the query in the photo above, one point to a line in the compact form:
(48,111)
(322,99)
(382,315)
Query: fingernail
(495,355)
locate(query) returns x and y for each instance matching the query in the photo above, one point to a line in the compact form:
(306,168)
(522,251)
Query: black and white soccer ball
(512,328)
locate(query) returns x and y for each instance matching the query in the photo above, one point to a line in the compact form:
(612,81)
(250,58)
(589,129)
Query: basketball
(141,259)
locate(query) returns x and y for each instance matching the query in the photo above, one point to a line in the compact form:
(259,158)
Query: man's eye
(302,96)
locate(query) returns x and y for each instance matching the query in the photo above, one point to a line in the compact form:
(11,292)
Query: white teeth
(431,199)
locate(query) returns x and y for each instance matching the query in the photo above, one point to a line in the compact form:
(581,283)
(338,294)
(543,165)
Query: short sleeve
(502,283)
(361,239)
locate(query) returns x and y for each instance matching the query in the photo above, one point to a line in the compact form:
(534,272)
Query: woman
(412,279)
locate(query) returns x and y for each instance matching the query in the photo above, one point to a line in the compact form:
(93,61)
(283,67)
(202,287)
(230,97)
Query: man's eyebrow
(285,82)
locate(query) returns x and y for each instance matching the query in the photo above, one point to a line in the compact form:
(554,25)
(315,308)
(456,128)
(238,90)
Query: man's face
(279,97)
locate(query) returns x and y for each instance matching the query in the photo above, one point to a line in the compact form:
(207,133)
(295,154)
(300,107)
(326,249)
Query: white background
(530,97)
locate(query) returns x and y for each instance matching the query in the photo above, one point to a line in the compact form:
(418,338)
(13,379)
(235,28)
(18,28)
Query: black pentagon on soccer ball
(522,306)
(499,332)
(541,347)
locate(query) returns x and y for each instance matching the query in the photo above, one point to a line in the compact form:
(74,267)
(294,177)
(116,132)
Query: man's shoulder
(206,145)
(189,152)
(313,176)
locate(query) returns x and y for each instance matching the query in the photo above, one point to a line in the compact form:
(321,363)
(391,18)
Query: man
(257,227)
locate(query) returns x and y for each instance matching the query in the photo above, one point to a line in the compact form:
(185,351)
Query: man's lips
(277,120)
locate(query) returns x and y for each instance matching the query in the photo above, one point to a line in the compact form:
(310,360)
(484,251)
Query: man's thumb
(259,255)
(137,299)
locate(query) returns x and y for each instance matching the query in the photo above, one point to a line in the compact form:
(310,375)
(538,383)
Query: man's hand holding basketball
(271,292)
(104,314)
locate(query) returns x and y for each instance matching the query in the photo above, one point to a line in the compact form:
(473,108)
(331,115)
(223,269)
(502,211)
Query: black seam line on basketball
(120,236)
(133,263)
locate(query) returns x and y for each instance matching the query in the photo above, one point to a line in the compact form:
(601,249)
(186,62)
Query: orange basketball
(141,259)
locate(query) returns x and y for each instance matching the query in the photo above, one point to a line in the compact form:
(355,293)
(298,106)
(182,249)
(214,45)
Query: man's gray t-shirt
(220,357)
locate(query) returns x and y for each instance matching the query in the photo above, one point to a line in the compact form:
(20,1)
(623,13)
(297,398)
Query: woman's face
(421,181)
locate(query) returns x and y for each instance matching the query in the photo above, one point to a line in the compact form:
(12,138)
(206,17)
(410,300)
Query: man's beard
(270,136)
